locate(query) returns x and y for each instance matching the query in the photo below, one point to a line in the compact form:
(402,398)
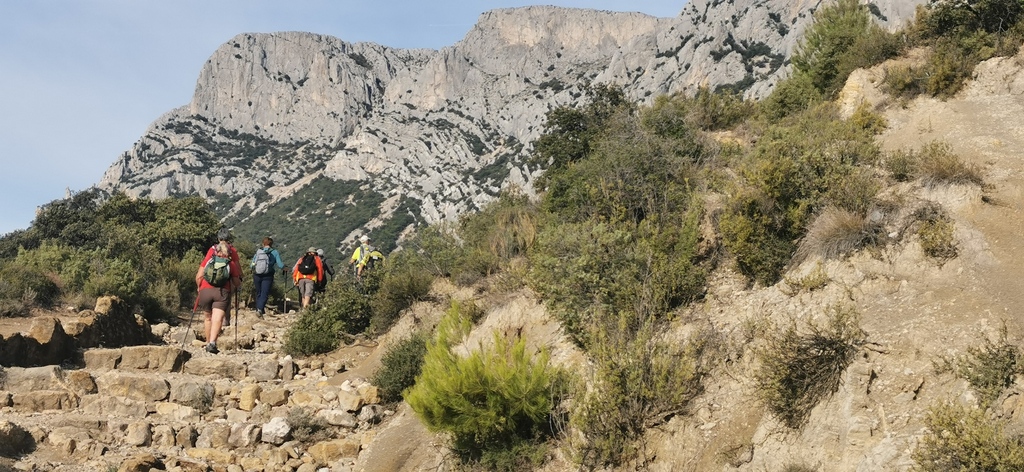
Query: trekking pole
(238,293)
(189,328)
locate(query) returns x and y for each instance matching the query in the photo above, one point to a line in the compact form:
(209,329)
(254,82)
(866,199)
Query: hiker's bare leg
(212,324)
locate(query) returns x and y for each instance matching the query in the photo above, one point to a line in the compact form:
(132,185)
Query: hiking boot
(260,313)
(212,348)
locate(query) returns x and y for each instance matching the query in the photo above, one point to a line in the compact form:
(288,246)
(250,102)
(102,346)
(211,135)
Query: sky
(81,80)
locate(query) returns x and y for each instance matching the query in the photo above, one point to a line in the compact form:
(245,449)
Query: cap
(364,238)
(319,252)
(312,249)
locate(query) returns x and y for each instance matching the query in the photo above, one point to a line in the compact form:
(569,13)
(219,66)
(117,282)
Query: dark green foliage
(964,439)
(841,39)
(72,221)
(302,220)
(959,35)
(584,269)
(799,369)
(569,132)
(342,309)
(790,96)
(990,367)
(29,285)
(493,398)
(400,285)
(679,116)
(399,367)
(960,18)
(635,171)
(800,165)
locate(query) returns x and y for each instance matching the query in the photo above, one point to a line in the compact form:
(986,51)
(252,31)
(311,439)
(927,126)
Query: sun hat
(364,238)
(312,249)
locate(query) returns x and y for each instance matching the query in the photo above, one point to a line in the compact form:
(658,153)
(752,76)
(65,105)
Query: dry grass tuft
(938,165)
(835,233)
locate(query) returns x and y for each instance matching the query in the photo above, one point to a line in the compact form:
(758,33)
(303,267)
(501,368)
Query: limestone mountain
(314,140)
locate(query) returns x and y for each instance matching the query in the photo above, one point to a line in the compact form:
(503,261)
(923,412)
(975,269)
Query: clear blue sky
(81,80)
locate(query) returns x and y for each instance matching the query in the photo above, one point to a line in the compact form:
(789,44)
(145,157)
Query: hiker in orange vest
(308,270)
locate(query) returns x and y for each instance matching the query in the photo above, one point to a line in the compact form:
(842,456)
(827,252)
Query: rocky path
(175,407)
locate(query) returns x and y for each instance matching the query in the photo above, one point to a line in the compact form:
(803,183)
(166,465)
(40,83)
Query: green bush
(343,309)
(841,39)
(582,269)
(809,161)
(639,381)
(29,285)
(901,165)
(799,369)
(964,439)
(400,286)
(791,96)
(117,277)
(488,400)
(399,367)
(990,368)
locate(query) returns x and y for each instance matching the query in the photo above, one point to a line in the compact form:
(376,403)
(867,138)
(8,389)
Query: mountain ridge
(444,129)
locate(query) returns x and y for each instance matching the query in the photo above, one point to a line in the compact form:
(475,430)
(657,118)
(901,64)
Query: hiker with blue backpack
(218,276)
(264,263)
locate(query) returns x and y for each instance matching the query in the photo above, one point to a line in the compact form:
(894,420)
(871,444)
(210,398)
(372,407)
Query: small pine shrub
(800,369)
(904,81)
(400,365)
(961,438)
(990,368)
(488,400)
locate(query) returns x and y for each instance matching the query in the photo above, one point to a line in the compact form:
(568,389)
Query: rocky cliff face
(433,134)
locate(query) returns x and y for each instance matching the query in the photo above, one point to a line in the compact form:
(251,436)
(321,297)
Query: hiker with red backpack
(218,276)
(264,263)
(307,272)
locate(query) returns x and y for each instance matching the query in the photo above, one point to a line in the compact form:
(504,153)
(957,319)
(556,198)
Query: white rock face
(449,128)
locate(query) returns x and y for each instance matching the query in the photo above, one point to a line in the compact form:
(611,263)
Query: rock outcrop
(435,134)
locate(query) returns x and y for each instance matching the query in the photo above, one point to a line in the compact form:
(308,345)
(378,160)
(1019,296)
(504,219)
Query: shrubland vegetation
(623,235)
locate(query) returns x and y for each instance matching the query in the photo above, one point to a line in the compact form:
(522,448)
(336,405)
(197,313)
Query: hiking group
(220,275)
